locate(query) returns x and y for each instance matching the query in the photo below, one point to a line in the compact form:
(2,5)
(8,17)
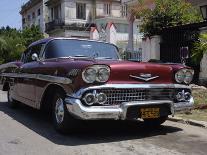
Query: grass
(200,96)
(199,115)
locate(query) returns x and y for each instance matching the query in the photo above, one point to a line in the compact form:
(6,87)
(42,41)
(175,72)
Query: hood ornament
(145,77)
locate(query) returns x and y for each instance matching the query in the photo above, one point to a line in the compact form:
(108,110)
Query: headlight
(188,76)
(98,73)
(103,74)
(89,75)
(180,76)
(184,75)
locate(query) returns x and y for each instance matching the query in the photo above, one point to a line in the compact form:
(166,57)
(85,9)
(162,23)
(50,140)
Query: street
(25,131)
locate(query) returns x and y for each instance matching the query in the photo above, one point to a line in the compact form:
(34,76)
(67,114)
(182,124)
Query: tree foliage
(167,13)
(13,42)
(200,47)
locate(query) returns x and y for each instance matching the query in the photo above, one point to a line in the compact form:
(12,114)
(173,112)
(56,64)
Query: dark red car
(86,80)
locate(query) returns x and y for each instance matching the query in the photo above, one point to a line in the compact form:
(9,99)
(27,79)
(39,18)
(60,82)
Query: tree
(13,42)
(200,48)
(168,13)
(31,34)
(3,45)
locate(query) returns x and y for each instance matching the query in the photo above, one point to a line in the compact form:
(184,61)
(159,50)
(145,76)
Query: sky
(9,13)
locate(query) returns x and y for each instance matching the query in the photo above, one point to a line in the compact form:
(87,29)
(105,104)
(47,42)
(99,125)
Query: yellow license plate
(147,113)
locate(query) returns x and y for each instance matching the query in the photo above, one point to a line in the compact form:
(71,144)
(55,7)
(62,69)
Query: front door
(27,75)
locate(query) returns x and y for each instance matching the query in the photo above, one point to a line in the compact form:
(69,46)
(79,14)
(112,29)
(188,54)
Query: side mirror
(35,57)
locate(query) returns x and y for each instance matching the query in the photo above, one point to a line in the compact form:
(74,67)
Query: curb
(202,124)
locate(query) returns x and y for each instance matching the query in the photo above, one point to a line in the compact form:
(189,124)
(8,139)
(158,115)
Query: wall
(151,48)
(203,65)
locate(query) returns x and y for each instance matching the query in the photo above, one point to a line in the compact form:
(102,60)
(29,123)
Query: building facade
(33,13)
(76,18)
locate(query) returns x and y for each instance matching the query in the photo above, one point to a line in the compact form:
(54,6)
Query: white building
(33,13)
(74,18)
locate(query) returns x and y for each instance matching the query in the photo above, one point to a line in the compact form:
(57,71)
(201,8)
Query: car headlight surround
(188,76)
(96,73)
(184,76)
(103,74)
(89,75)
(180,76)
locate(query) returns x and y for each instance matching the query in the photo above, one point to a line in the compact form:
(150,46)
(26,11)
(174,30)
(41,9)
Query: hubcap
(59,110)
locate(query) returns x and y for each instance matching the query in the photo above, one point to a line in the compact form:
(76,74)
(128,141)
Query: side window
(25,55)
(34,49)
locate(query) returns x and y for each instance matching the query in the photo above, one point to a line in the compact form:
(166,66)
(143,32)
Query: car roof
(46,40)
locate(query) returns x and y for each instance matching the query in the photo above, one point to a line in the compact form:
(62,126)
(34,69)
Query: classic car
(79,80)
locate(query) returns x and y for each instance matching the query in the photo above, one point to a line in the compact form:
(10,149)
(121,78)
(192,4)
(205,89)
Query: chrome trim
(55,79)
(4,66)
(115,112)
(143,78)
(79,93)
(80,111)
(49,78)
(97,68)
(183,106)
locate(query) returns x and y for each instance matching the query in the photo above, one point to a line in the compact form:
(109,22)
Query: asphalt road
(25,131)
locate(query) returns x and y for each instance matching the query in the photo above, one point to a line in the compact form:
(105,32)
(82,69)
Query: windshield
(80,48)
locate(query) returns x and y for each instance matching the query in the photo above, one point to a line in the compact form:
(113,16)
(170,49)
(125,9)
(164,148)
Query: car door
(27,80)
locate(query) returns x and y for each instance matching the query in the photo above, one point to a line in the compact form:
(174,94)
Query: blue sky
(9,13)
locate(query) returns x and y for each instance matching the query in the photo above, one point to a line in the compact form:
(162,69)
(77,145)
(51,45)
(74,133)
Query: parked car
(86,80)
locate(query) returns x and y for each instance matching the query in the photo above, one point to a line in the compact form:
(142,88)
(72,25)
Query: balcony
(59,24)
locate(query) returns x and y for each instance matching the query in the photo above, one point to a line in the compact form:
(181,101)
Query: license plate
(147,113)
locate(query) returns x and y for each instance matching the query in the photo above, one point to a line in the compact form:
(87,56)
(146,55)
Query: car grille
(117,96)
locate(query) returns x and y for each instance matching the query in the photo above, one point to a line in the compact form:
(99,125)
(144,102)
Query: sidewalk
(188,121)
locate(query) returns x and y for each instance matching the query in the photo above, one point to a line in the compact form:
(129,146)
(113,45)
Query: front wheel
(62,120)
(155,122)
(12,103)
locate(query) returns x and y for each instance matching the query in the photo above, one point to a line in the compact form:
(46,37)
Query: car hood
(137,72)
(129,72)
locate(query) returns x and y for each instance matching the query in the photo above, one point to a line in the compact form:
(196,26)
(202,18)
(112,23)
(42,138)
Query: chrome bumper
(118,112)
(78,110)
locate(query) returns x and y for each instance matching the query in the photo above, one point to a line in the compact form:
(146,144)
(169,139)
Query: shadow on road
(91,133)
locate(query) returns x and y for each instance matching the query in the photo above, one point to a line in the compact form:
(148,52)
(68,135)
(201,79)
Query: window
(33,15)
(38,12)
(29,18)
(124,10)
(81,11)
(66,48)
(34,49)
(55,12)
(107,9)
(23,20)
(52,13)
